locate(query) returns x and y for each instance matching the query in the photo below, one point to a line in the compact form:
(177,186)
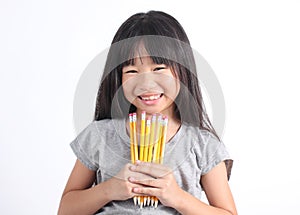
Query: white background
(252,46)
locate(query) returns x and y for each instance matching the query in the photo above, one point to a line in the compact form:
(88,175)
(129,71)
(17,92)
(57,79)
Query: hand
(161,183)
(120,188)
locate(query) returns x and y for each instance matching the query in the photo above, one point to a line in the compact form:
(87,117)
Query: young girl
(150,67)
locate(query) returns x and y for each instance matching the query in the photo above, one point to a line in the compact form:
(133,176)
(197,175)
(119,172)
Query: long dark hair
(166,42)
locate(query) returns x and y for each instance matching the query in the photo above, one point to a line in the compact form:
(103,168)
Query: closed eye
(159,68)
(131,71)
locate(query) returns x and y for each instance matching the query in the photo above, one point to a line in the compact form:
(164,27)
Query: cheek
(171,86)
(128,87)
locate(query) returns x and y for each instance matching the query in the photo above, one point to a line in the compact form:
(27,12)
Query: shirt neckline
(171,141)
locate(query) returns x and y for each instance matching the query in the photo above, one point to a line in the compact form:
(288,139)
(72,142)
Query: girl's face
(150,87)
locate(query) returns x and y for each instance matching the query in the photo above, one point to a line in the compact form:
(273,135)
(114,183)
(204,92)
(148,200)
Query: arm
(170,194)
(80,197)
(218,194)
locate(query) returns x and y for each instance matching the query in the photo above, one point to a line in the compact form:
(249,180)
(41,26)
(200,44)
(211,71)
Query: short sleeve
(85,147)
(214,152)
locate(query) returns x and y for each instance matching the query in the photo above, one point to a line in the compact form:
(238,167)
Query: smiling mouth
(151,97)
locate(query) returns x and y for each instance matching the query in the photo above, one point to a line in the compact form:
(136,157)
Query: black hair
(166,42)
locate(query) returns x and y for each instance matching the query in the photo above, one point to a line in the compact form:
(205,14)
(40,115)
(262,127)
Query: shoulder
(205,143)
(203,137)
(110,127)
(104,126)
(92,140)
(99,130)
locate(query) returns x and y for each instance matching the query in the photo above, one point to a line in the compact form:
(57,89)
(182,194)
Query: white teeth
(149,98)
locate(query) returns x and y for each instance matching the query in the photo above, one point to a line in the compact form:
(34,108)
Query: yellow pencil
(151,147)
(134,136)
(131,139)
(159,140)
(147,139)
(156,142)
(153,133)
(142,146)
(142,135)
(155,159)
(131,134)
(152,136)
(146,150)
(163,138)
(135,144)
(161,146)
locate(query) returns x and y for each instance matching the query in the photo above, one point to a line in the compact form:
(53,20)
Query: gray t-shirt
(104,147)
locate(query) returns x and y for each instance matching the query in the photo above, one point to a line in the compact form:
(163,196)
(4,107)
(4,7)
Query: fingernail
(133,168)
(138,161)
(131,179)
(135,189)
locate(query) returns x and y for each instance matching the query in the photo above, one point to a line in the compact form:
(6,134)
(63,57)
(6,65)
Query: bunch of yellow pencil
(151,147)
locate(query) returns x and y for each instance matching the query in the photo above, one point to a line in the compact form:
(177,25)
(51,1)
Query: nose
(145,82)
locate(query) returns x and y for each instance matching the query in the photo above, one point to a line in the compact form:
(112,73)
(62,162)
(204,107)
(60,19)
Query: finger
(147,182)
(137,176)
(154,165)
(148,191)
(154,170)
